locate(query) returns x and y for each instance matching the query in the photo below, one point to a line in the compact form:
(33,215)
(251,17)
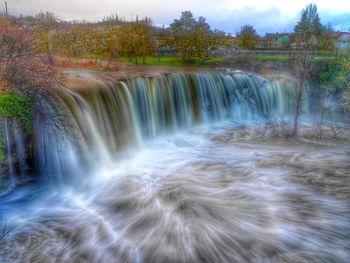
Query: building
(342,43)
(167,50)
(276,41)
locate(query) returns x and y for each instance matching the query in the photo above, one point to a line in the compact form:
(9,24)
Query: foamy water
(206,195)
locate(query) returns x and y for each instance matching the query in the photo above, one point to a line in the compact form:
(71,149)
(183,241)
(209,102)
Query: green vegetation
(248,37)
(335,72)
(325,59)
(328,74)
(333,77)
(170,61)
(14,106)
(193,39)
(282,58)
(189,38)
(341,82)
(308,32)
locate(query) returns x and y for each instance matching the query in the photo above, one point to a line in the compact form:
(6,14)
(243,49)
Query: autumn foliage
(22,69)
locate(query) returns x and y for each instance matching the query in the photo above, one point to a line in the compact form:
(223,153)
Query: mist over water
(170,169)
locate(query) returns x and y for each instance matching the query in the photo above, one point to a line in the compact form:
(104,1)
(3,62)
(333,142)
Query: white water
(167,183)
(202,196)
(114,117)
(8,148)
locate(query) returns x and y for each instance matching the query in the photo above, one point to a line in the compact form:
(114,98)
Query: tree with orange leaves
(21,68)
(135,40)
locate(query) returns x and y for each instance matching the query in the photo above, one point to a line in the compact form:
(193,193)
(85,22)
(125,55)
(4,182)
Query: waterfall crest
(95,124)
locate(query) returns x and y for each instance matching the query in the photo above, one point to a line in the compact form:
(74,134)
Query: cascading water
(166,169)
(15,155)
(8,148)
(115,116)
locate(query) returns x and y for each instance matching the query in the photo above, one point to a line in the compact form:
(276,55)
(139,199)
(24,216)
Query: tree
(96,43)
(135,40)
(72,42)
(221,39)
(113,19)
(341,83)
(309,28)
(203,39)
(21,67)
(182,36)
(308,32)
(24,77)
(46,17)
(191,38)
(248,37)
(111,39)
(326,43)
(46,22)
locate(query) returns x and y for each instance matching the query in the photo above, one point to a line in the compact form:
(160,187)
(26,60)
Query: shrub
(14,106)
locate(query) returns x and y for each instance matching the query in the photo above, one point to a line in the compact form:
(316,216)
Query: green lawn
(282,58)
(178,62)
(169,61)
(323,58)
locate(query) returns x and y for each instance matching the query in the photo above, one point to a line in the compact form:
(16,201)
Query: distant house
(276,41)
(342,44)
(339,41)
(261,43)
(166,51)
(230,45)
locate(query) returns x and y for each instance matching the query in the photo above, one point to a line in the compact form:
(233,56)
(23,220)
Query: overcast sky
(227,15)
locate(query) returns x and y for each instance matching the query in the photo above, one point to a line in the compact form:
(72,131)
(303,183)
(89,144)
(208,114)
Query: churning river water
(211,194)
(170,169)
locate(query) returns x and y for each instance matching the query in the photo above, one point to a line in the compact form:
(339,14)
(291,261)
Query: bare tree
(21,68)
(303,67)
(308,32)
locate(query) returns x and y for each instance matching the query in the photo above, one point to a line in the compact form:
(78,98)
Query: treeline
(104,40)
(187,37)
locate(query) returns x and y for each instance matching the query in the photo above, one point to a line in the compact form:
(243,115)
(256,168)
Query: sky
(227,15)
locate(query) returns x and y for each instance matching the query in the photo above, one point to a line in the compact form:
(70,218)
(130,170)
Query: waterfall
(88,128)
(15,153)
(8,150)
(168,169)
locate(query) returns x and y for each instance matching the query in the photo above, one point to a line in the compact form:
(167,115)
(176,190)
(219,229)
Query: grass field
(169,61)
(178,62)
(282,58)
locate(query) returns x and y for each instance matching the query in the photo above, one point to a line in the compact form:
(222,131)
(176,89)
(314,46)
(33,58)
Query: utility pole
(6,12)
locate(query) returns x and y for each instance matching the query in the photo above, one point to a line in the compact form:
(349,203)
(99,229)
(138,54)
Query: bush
(14,106)
(328,74)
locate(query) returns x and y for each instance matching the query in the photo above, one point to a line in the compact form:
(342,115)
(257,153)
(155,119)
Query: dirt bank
(79,78)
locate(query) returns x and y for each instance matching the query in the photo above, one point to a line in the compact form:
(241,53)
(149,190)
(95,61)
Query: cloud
(95,9)
(227,15)
(340,22)
(269,20)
